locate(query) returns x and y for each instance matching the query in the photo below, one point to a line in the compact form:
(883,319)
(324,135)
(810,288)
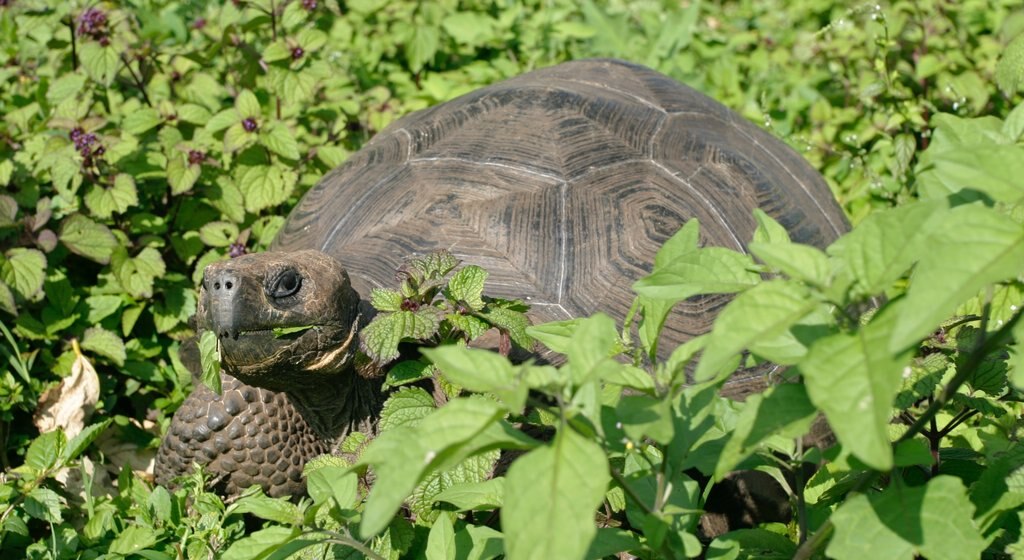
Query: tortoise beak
(222,294)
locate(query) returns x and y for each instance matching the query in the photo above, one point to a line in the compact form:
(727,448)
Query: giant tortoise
(562,183)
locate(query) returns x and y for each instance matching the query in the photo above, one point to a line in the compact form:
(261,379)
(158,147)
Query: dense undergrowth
(141,140)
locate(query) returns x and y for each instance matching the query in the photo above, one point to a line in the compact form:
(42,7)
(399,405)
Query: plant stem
(137,79)
(630,492)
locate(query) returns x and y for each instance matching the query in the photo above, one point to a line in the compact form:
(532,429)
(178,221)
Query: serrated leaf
(333,482)
(137,273)
(247,105)
(87,238)
(406,407)
(467,286)
(975,247)
(209,358)
(82,440)
(218,234)
(278,139)
(514,323)
(25,271)
(68,85)
(551,492)
(381,337)
(104,202)
(757,316)
(423,46)
(386,300)
(408,371)
(476,468)
(1010,67)
(277,50)
(100,63)
(192,113)
(45,450)
(784,410)
(181,175)
(264,186)
(104,343)
(471,326)
(933,521)
(45,504)
(141,120)
(481,371)
(7,302)
(854,380)
(236,137)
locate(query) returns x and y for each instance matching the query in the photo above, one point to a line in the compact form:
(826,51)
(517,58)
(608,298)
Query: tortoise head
(283,319)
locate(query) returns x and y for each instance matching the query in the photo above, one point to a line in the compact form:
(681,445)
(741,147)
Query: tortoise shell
(563,183)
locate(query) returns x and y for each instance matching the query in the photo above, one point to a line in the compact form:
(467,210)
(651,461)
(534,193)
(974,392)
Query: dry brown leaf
(69,404)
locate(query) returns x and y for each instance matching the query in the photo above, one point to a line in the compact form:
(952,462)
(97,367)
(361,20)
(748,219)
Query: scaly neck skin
(339,406)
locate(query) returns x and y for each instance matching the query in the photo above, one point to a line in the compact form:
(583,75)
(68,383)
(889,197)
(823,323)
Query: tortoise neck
(333,410)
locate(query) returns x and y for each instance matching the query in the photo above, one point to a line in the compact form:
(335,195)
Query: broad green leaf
(592,343)
(711,270)
(801,262)
(80,442)
(386,300)
(87,238)
(222,120)
(68,85)
(481,371)
(469,28)
(1010,67)
(102,342)
(609,542)
(1013,126)
(44,504)
(260,544)
(264,507)
(555,334)
(247,105)
(332,481)
(887,243)
(441,540)
(471,325)
(486,495)
(192,113)
(218,234)
(751,544)
(236,137)
(405,407)
(784,410)
(759,314)
(467,286)
(553,492)
(137,122)
(408,371)
(1016,359)
(45,450)
(277,50)
(933,521)
(1000,488)
(103,202)
(854,380)
(402,457)
(133,539)
(641,415)
(137,273)
(768,229)
(181,175)
(209,358)
(423,47)
(278,139)
(474,469)
(511,322)
(264,186)
(25,271)
(381,337)
(100,63)
(975,247)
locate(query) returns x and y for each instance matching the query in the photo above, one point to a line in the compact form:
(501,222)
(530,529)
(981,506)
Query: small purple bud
(236,250)
(297,53)
(309,5)
(196,157)
(250,125)
(199,23)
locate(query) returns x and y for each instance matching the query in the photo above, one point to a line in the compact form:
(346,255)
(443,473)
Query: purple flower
(93,23)
(196,157)
(236,250)
(297,53)
(309,5)
(250,124)
(199,23)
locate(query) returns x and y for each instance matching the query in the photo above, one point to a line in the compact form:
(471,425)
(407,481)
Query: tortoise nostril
(228,285)
(216,285)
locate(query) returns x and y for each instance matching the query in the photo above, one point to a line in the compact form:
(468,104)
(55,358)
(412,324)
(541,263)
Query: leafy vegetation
(144,139)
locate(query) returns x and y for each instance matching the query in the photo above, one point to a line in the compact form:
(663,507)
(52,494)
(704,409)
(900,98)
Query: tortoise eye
(287,283)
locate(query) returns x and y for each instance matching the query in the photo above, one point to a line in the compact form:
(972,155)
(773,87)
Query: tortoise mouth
(253,347)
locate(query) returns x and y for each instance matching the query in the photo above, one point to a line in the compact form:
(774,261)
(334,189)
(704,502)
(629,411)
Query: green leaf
(969,154)
(423,47)
(381,337)
(405,407)
(332,481)
(80,442)
(854,380)
(192,113)
(100,63)
(104,343)
(481,371)
(103,202)
(133,539)
(933,521)
(209,357)
(260,544)
(756,317)
(751,544)
(25,271)
(801,262)
(486,495)
(641,415)
(403,456)
(555,334)
(408,371)
(86,238)
(552,492)
(1010,67)
(975,247)
(218,234)
(467,286)
(264,507)
(278,139)
(45,504)
(512,322)
(712,270)
(264,186)
(141,120)
(181,175)
(247,105)
(591,345)
(784,410)
(386,300)
(44,451)
(768,230)
(68,85)
(236,137)
(222,120)
(441,540)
